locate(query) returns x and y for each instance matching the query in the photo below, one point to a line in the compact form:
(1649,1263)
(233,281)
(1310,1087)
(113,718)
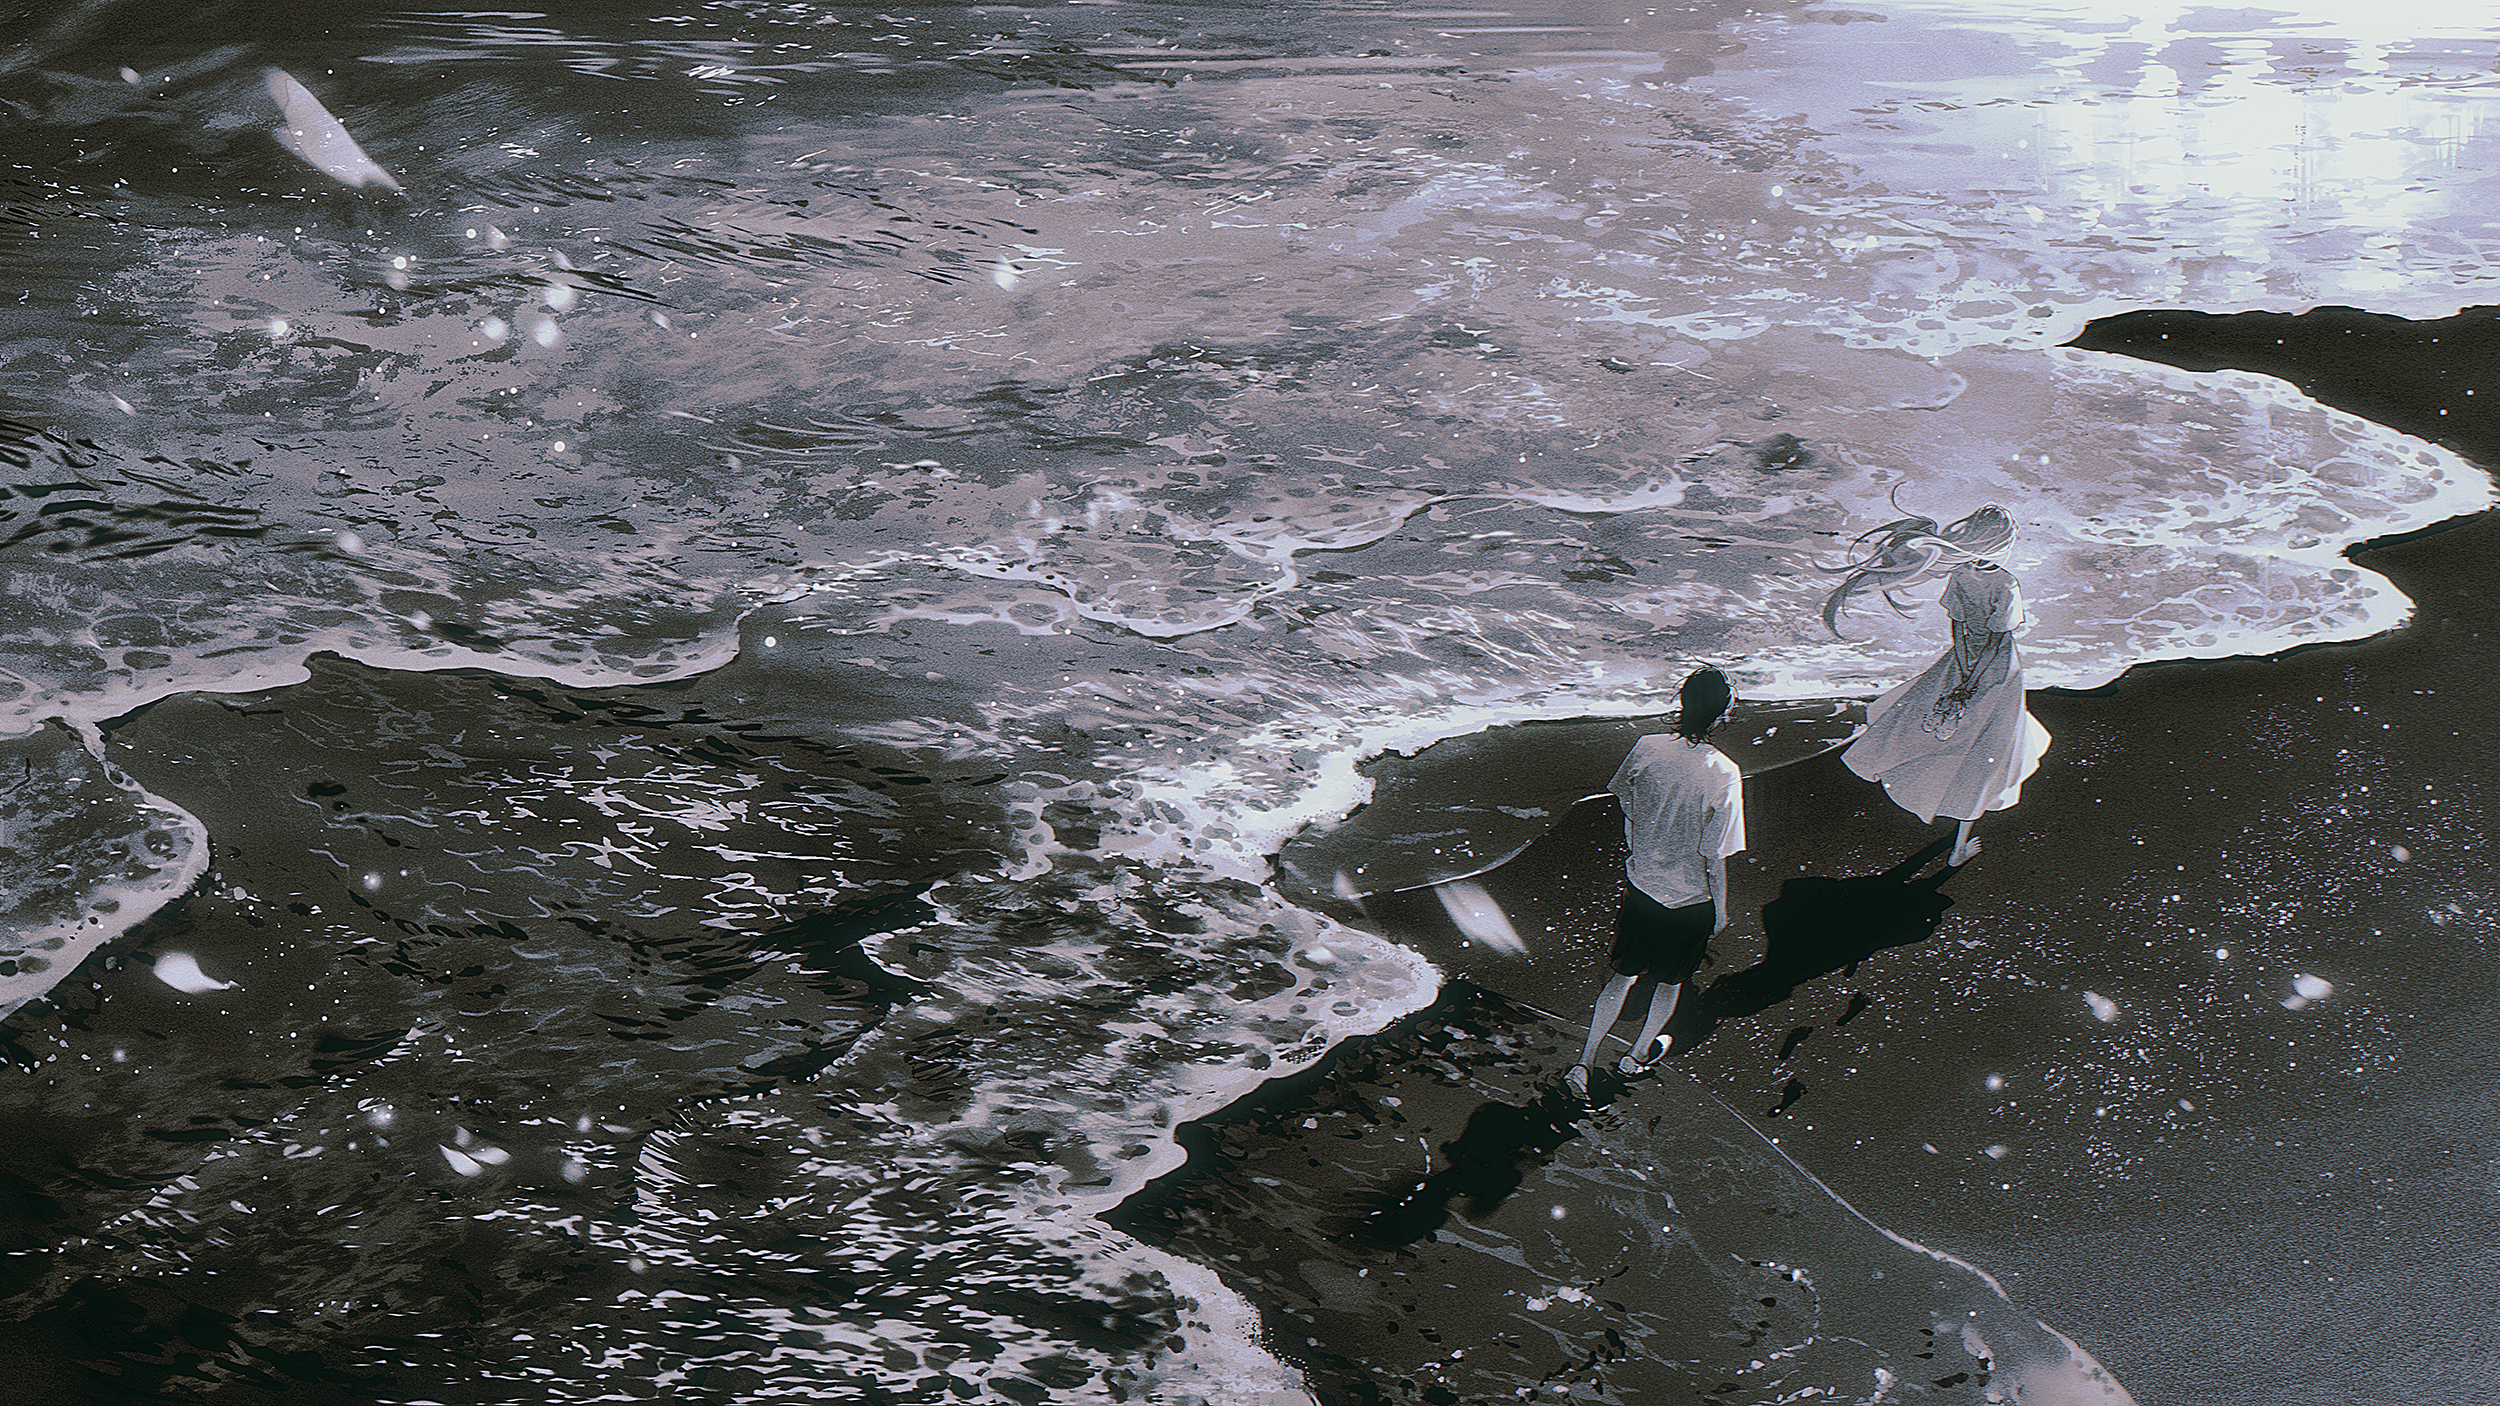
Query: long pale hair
(1909,550)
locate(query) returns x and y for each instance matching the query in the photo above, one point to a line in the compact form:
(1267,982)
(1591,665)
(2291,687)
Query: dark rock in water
(1777,453)
(1783,451)
(1428,1216)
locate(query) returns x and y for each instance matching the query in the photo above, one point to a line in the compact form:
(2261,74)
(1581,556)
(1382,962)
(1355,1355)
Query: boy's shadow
(1485,1163)
(1815,927)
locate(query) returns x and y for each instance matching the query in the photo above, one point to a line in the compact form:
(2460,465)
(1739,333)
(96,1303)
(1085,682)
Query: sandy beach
(2095,1072)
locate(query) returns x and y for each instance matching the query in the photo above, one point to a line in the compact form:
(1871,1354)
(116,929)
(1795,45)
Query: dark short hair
(1705,699)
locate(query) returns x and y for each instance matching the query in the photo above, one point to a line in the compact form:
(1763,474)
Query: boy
(1684,814)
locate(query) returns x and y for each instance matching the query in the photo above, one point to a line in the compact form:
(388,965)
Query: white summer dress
(1956,741)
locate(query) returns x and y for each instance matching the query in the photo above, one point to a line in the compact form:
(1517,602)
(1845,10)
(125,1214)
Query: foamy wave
(85,855)
(234,585)
(1525,420)
(998,1129)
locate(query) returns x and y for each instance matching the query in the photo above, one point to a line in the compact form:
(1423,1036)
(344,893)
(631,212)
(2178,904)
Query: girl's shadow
(1818,926)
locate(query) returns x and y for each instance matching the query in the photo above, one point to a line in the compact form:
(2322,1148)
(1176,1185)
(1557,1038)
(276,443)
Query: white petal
(181,971)
(313,134)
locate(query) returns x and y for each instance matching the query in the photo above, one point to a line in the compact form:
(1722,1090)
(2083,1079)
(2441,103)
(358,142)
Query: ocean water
(715,617)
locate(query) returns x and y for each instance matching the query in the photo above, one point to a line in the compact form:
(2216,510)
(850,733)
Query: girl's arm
(1979,664)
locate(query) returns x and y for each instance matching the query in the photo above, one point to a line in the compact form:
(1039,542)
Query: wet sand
(1655,1248)
(2097,1069)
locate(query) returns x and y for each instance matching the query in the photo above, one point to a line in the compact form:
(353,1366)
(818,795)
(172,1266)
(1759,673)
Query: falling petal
(493,1156)
(560,296)
(2316,988)
(130,75)
(497,240)
(1478,916)
(1005,275)
(181,971)
(461,1162)
(313,134)
(123,406)
(545,333)
(2103,1008)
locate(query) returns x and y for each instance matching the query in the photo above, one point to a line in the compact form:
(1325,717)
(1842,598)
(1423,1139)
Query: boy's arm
(1729,828)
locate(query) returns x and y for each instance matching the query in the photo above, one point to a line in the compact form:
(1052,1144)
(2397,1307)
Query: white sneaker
(1634,1064)
(1576,1079)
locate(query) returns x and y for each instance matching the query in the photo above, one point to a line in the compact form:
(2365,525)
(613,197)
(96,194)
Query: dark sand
(2224,1192)
(1656,1249)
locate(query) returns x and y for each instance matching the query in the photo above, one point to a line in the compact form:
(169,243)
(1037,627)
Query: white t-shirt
(1683,805)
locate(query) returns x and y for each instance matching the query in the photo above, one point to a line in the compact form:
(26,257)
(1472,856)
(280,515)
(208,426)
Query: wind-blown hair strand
(1908,550)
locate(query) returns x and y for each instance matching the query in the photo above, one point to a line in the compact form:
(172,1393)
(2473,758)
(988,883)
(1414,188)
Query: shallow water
(770,610)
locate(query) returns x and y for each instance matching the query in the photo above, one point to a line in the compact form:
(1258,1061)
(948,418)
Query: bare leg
(1965,849)
(1609,1010)
(1661,1009)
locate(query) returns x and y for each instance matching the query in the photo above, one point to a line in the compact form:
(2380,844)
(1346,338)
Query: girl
(1955,741)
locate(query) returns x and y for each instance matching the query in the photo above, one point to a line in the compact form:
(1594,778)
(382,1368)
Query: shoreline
(1739,1051)
(2043,919)
(140,852)
(1812,781)
(1510,1261)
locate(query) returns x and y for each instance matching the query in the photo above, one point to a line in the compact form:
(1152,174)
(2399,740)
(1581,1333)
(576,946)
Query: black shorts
(1653,940)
